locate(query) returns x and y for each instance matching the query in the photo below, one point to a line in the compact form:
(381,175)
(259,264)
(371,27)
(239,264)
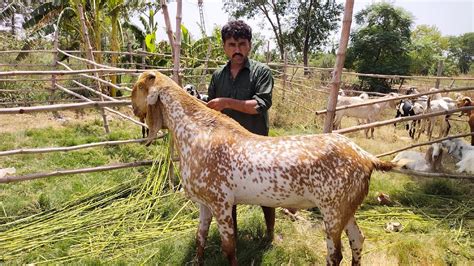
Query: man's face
(237,50)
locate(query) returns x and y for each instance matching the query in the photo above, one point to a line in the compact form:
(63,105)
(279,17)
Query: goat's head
(434,155)
(412,90)
(191,89)
(145,100)
(454,147)
(465,101)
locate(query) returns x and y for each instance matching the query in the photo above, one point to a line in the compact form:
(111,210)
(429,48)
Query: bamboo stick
(169,31)
(395,98)
(8,178)
(105,108)
(177,43)
(64,72)
(86,60)
(425,174)
(57,107)
(338,67)
(72,148)
(424,143)
(90,55)
(401,119)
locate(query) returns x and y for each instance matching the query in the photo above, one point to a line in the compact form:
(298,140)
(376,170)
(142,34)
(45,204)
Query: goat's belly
(271,198)
(297,202)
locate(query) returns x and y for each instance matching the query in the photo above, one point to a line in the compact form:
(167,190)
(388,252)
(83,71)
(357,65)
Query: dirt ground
(22,122)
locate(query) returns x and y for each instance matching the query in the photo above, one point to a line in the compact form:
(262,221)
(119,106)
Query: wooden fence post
(439,73)
(55,65)
(90,55)
(336,75)
(268,52)
(285,66)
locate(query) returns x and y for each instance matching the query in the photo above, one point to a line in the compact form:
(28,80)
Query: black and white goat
(407,108)
(191,89)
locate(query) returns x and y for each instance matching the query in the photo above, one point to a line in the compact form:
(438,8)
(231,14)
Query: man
(242,89)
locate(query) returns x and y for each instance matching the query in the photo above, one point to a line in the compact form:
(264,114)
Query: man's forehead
(238,40)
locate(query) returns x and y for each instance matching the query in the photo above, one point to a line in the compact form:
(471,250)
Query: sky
(451,17)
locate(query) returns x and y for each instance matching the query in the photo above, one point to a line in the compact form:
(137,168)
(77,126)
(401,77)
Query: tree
(311,24)
(461,51)
(273,10)
(427,49)
(381,44)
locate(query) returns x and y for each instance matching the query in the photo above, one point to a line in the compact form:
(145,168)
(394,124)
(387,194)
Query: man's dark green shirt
(254,81)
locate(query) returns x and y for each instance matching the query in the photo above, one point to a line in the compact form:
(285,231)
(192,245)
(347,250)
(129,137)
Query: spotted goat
(222,164)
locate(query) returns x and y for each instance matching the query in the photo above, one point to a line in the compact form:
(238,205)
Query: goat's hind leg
(205,218)
(356,240)
(334,227)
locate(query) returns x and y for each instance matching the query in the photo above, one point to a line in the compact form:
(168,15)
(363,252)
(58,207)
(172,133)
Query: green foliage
(380,44)
(427,48)
(461,50)
(311,23)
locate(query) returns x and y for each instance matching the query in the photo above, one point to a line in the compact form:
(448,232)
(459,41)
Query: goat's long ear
(154,118)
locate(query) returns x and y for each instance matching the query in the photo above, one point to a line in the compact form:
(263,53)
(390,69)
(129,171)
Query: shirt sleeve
(264,87)
(211,90)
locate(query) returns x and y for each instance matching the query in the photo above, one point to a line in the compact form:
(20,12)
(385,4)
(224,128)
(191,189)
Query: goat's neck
(189,121)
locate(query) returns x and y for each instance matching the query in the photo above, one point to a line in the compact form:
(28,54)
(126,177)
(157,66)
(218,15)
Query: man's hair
(236,29)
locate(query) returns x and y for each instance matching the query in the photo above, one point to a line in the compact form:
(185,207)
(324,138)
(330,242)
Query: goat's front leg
(225,224)
(205,217)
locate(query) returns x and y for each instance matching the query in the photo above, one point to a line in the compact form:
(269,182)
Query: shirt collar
(246,64)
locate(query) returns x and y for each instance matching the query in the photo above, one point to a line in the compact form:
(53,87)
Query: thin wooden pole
(268,53)
(169,31)
(105,108)
(424,143)
(336,75)
(73,148)
(8,178)
(394,99)
(55,64)
(58,107)
(426,174)
(285,69)
(439,73)
(177,42)
(90,56)
(401,119)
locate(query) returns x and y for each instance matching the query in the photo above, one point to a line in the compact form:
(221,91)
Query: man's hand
(218,104)
(244,106)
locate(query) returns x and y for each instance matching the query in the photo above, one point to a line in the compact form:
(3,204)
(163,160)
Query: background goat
(463,102)
(463,152)
(368,113)
(222,164)
(424,162)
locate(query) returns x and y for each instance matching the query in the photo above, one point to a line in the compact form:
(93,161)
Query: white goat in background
(367,113)
(463,152)
(423,162)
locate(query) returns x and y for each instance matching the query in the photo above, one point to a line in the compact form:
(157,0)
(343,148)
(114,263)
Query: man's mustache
(237,54)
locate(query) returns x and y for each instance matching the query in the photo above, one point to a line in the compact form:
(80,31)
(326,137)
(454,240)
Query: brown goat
(222,164)
(466,101)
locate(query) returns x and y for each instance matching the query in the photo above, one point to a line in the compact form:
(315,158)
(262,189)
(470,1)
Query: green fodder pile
(107,225)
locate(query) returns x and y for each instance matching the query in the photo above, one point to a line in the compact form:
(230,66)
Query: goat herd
(431,160)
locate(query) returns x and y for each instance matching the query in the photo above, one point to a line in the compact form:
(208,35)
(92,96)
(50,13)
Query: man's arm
(262,100)
(244,106)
